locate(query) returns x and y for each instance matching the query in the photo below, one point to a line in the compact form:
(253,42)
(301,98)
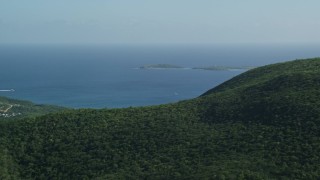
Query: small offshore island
(160,66)
(210,68)
(224,68)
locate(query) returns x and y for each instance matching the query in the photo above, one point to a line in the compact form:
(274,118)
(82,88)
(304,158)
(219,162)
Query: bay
(107,76)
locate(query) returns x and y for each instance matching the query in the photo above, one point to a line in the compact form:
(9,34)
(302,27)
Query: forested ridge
(262,124)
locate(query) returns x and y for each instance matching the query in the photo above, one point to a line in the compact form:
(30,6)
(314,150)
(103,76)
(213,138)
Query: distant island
(224,68)
(210,68)
(160,66)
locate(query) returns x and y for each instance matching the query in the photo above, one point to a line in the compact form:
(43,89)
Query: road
(6,110)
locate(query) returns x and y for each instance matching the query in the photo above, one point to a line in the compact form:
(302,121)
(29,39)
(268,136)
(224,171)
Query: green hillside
(13,109)
(262,124)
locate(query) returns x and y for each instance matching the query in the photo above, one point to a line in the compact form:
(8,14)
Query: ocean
(107,76)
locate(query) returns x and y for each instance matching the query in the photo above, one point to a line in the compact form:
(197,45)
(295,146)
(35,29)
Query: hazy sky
(159,21)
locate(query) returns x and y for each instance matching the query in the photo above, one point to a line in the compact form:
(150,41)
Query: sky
(159,21)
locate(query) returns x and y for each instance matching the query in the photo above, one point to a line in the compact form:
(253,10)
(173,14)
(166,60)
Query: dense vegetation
(262,124)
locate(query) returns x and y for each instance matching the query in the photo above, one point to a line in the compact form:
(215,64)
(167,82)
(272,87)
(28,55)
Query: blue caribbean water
(107,76)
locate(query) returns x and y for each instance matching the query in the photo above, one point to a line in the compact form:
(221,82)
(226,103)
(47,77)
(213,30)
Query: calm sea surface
(107,76)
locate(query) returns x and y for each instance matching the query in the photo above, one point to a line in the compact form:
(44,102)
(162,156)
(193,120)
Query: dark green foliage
(263,124)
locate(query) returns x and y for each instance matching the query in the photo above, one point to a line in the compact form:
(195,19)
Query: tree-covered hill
(268,94)
(262,124)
